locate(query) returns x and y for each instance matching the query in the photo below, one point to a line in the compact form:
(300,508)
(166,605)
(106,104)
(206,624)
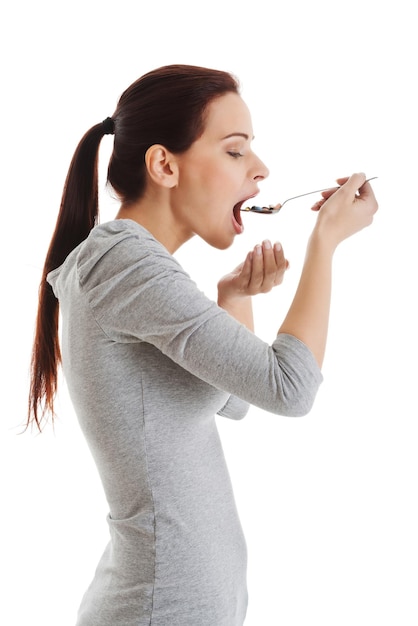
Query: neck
(157,217)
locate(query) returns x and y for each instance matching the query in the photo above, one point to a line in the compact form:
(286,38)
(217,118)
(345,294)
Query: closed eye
(234,154)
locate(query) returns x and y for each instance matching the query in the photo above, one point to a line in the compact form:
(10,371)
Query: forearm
(342,213)
(308,316)
(240,308)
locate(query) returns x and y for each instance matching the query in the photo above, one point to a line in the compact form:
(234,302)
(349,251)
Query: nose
(259,170)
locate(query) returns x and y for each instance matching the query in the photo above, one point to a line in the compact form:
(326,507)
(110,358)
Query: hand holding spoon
(271,209)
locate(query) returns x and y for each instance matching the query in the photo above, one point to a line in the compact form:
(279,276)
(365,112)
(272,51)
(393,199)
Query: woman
(149,360)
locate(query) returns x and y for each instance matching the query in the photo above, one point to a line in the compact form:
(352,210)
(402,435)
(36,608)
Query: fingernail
(258,249)
(267,244)
(277,246)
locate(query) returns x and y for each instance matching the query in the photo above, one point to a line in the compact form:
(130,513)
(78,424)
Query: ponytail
(78,214)
(166,106)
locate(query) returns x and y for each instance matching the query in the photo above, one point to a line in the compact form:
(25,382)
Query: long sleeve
(138,292)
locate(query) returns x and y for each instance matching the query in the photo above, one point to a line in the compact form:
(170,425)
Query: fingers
(366,192)
(359,189)
(244,270)
(268,267)
(327,193)
(367,199)
(281,262)
(351,185)
(347,210)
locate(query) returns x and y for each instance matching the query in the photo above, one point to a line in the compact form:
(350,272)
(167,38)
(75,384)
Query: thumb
(353,183)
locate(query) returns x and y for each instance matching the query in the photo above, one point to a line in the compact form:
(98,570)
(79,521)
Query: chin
(221,244)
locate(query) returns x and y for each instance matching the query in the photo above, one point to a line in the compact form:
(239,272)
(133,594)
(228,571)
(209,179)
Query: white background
(328,501)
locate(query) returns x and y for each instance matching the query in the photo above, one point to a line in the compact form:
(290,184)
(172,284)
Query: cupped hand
(263,269)
(346,209)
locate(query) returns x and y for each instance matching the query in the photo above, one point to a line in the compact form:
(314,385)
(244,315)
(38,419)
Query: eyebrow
(237,135)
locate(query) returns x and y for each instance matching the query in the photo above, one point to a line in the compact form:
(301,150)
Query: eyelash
(234,154)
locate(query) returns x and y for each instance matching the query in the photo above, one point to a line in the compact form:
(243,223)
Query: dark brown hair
(165,106)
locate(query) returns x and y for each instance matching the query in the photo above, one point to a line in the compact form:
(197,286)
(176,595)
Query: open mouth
(237,212)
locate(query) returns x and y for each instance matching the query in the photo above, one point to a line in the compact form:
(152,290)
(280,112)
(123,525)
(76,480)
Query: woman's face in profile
(218,173)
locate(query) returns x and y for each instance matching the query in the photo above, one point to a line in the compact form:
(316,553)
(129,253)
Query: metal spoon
(269,210)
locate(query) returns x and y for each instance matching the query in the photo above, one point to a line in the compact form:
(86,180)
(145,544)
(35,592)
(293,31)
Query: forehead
(226,115)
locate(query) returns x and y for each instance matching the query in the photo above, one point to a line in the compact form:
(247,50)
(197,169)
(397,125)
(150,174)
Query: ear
(161,165)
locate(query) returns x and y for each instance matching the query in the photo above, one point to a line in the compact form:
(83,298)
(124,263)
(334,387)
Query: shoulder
(116,248)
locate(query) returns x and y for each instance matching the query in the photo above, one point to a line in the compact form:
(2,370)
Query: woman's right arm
(341,215)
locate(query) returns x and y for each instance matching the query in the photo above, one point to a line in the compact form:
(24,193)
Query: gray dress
(149,361)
